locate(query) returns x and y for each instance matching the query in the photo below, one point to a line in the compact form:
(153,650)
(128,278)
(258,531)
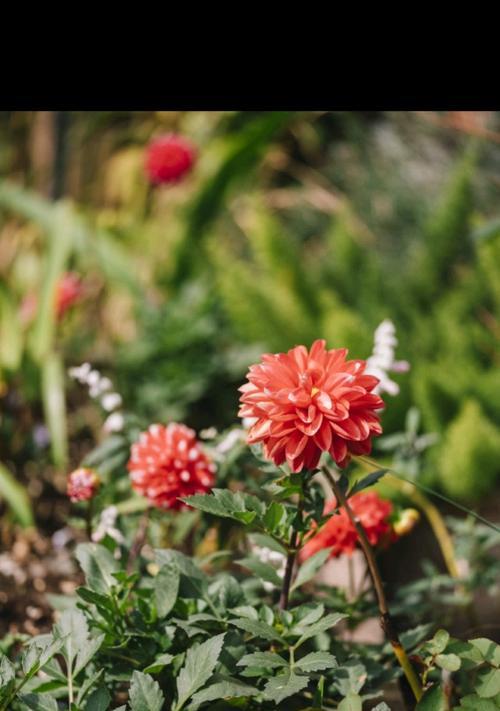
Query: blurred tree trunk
(48,152)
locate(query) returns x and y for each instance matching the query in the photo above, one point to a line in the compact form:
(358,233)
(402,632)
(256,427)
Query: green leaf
(489,650)
(98,565)
(472,702)
(39,702)
(265,541)
(87,685)
(450,662)
(98,700)
(320,626)
(54,405)
(145,693)
(367,481)
(16,497)
(439,642)
(227,504)
(268,660)
(352,702)
(86,652)
(230,689)
(316,661)
(285,685)
(73,631)
(432,700)
(265,571)
(311,566)
(198,668)
(487,683)
(11,340)
(166,588)
(258,629)
(274,516)
(162,661)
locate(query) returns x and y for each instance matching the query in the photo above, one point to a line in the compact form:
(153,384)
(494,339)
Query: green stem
(295,541)
(385,617)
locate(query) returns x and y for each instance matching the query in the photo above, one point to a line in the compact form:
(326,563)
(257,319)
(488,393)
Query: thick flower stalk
(308,402)
(168,463)
(168,159)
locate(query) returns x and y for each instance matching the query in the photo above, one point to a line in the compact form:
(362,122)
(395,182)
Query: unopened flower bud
(406,522)
(83,484)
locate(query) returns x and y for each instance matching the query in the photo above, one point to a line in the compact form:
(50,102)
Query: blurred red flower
(168,462)
(83,484)
(169,158)
(69,290)
(309,402)
(339,533)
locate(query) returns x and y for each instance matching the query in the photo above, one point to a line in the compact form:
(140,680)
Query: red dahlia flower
(82,484)
(167,463)
(169,158)
(309,402)
(339,533)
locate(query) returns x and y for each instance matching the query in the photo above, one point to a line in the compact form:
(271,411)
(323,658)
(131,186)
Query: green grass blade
(16,497)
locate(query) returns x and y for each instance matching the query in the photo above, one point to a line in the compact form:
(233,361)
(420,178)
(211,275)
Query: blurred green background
(291,226)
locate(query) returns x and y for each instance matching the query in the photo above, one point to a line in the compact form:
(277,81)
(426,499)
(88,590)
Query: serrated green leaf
(39,702)
(145,693)
(265,571)
(268,660)
(352,702)
(487,683)
(432,700)
(285,685)
(98,565)
(87,685)
(86,652)
(198,668)
(472,702)
(257,629)
(320,626)
(489,650)
(162,661)
(98,700)
(316,661)
(367,481)
(166,588)
(310,567)
(230,689)
(274,516)
(265,541)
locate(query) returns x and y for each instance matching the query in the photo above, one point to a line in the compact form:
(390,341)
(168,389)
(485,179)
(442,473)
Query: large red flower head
(169,158)
(83,484)
(309,402)
(168,462)
(339,533)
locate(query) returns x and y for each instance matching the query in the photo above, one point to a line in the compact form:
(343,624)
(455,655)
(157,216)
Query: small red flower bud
(168,159)
(83,484)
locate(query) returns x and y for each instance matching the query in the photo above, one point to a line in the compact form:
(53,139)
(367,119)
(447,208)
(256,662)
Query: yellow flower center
(314,391)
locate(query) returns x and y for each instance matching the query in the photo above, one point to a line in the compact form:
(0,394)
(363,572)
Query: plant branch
(385,617)
(295,540)
(139,541)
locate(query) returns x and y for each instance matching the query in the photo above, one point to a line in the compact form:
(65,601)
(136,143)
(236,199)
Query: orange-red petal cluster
(308,402)
(82,484)
(339,533)
(167,463)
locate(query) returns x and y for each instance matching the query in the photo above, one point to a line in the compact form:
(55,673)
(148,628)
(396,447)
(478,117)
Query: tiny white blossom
(80,373)
(114,423)
(267,555)
(230,440)
(111,401)
(106,526)
(382,361)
